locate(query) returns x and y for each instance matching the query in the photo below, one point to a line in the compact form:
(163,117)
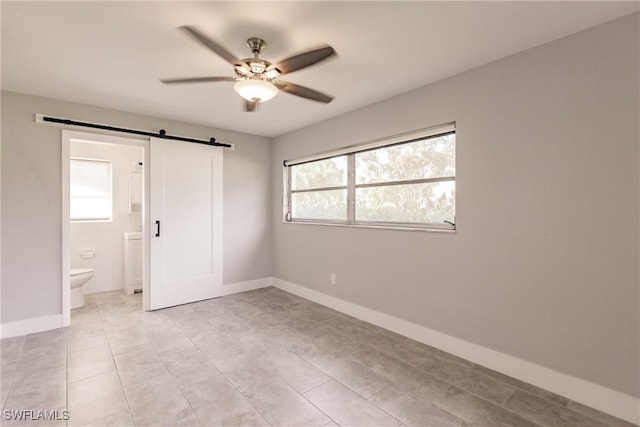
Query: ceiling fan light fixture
(242,71)
(271,73)
(255,90)
(255,78)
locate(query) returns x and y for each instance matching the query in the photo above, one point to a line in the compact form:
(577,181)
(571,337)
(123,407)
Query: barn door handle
(158,231)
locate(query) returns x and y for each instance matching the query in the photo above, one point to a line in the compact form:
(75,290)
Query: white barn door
(186,223)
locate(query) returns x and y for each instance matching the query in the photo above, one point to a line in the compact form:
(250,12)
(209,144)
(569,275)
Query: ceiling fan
(256,78)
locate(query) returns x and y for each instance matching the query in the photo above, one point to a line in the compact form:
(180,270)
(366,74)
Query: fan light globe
(255,90)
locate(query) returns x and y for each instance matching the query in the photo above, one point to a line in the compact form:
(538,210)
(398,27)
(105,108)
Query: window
(319,189)
(404,181)
(90,191)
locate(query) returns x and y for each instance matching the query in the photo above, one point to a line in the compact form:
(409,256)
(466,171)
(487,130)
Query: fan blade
(250,106)
(198,80)
(304,59)
(213,46)
(302,91)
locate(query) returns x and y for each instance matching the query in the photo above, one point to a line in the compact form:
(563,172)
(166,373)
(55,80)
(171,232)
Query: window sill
(375,226)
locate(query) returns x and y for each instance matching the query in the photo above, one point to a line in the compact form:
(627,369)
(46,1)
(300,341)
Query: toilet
(79,276)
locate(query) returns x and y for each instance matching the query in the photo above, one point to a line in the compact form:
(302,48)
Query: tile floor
(258,358)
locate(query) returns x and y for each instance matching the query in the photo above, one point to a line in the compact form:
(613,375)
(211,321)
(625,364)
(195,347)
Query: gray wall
(544,265)
(32,200)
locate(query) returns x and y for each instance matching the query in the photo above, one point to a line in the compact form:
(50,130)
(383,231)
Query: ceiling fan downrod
(256,44)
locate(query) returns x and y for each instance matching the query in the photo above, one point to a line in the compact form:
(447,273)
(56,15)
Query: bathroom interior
(106,205)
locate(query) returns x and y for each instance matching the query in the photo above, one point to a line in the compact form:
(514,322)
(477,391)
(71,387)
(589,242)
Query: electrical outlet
(333,278)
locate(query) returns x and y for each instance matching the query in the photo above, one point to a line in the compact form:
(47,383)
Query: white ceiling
(112,54)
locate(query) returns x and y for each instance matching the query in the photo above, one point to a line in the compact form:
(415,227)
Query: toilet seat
(79,271)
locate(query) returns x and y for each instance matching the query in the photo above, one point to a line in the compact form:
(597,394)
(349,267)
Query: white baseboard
(31,326)
(249,285)
(46,323)
(604,399)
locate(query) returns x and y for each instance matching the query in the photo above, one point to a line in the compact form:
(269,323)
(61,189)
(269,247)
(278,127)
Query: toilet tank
(133,262)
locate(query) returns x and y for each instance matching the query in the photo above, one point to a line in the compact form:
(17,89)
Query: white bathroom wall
(106,237)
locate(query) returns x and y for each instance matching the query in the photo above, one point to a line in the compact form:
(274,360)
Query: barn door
(186,223)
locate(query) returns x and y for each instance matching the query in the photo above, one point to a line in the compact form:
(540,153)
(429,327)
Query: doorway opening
(104,223)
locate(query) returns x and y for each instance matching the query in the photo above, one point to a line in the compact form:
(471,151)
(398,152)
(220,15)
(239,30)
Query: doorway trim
(67,137)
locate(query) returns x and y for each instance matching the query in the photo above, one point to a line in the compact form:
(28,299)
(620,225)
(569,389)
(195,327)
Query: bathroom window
(91,196)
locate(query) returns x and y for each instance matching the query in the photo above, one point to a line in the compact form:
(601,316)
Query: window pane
(323,173)
(90,189)
(412,203)
(330,204)
(429,158)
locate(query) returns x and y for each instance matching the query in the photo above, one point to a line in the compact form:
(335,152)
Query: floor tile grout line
(314,405)
(115,368)
(451,385)
(178,386)
(4,403)
(501,407)
(228,380)
(315,387)
(372,403)
(441,358)
(552,403)
(140,382)
(472,392)
(419,397)
(120,380)
(381,390)
(185,398)
(504,402)
(103,314)
(350,388)
(516,388)
(441,379)
(520,388)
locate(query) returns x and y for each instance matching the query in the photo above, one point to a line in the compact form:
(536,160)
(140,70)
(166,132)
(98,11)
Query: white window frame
(95,219)
(347,187)
(350,152)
